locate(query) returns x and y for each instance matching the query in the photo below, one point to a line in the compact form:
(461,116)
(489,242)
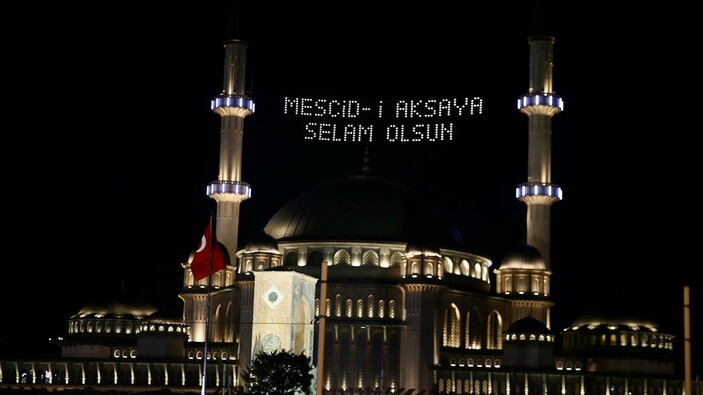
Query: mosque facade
(364,276)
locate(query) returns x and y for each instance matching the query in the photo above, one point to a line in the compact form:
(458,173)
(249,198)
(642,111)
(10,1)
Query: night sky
(110,140)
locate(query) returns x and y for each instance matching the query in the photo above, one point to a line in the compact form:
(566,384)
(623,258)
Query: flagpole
(211,239)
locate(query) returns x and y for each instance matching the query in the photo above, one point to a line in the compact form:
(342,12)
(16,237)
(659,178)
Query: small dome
(120,305)
(523,257)
(262,242)
(528,325)
(420,248)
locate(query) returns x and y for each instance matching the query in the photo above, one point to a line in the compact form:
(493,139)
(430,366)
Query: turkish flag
(208,257)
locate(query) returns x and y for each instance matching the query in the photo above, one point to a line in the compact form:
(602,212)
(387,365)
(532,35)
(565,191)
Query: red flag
(208,256)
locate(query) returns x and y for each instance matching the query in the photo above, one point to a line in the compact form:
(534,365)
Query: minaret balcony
(543,189)
(229,188)
(237,101)
(545,99)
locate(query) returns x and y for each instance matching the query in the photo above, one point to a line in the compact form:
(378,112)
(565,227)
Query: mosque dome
(529,325)
(363,208)
(612,316)
(122,305)
(261,242)
(523,257)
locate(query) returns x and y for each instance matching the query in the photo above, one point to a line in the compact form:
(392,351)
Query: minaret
(232,105)
(524,274)
(540,104)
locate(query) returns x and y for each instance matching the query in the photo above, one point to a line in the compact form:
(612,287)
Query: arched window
(360,308)
(381,309)
(370,258)
(342,257)
(494,339)
(350,308)
(396,259)
(371,305)
(338,305)
(452,326)
(448,265)
(477,270)
(473,330)
(314,259)
(391,309)
(465,268)
(291,259)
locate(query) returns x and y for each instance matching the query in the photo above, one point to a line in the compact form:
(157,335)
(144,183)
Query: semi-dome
(524,256)
(122,304)
(362,207)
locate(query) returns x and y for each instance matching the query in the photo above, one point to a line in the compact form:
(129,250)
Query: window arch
(465,267)
(381,309)
(342,257)
(371,305)
(473,330)
(495,328)
(370,258)
(391,309)
(350,308)
(291,259)
(451,330)
(338,305)
(448,265)
(477,270)
(396,258)
(314,259)
(360,308)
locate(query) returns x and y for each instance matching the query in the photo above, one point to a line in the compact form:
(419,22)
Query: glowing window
(396,258)
(381,309)
(360,308)
(338,305)
(448,265)
(342,257)
(477,271)
(391,309)
(370,258)
(465,267)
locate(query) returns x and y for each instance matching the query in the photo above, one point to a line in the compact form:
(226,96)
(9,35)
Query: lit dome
(523,257)
(528,325)
(120,305)
(362,208)
(613,316)
(261,242)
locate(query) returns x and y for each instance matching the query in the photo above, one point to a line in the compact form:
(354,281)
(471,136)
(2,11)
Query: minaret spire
(540,104)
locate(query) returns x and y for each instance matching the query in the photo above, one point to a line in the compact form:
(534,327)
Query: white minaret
(233,106)
(524,275)
(228,190)
(540,104)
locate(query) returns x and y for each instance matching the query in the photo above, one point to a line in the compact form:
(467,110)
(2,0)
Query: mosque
(367,278)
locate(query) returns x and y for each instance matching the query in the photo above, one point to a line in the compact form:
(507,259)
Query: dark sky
(111,140)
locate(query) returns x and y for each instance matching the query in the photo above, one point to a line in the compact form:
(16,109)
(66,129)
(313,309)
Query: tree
(278,372)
